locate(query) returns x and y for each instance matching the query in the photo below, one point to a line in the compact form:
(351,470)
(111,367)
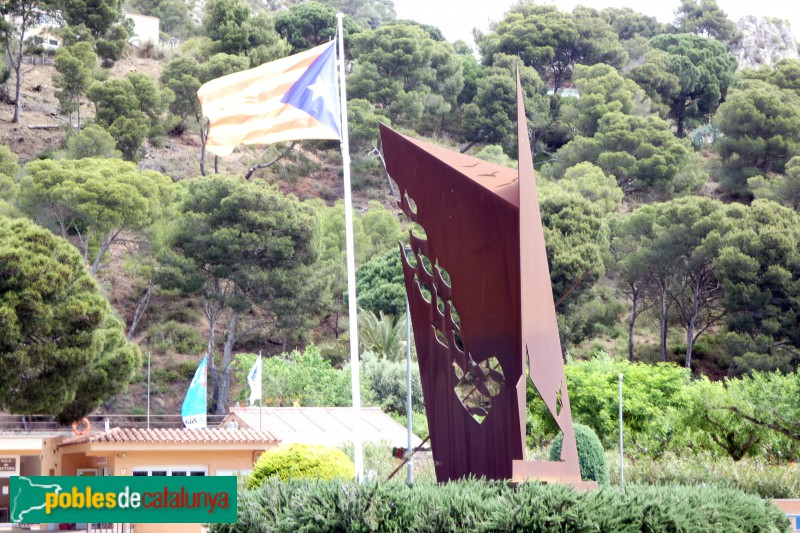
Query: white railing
(10,423)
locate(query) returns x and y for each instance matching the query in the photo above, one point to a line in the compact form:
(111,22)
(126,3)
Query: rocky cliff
(763,42)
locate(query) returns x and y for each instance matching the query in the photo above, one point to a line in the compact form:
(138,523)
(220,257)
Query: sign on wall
(8,464)
(142,500)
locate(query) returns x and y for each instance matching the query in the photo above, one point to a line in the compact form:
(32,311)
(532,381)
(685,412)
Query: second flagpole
(358,452)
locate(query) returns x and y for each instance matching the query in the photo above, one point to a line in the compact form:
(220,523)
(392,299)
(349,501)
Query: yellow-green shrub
(301,461)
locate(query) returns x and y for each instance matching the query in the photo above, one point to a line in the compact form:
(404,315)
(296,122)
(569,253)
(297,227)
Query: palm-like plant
(382,334)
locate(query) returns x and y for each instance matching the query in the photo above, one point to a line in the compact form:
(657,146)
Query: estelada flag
(290,99)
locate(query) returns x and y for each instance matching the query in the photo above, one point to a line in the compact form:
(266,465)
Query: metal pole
(148,390)
(358,450)
(621,452)
(261,398)
(408,386)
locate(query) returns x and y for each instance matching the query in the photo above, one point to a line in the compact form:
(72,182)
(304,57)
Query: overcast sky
(456,18)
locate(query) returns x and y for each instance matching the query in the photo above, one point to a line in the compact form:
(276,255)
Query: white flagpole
(148,390)
(358,453)
(205,417)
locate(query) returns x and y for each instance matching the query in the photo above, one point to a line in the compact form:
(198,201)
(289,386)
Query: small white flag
(254,381)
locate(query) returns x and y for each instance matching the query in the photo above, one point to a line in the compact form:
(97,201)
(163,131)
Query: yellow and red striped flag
(289,99)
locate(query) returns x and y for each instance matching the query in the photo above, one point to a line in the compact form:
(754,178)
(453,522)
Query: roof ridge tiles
(174,435)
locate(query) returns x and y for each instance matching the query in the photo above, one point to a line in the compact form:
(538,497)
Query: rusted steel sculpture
(482,308)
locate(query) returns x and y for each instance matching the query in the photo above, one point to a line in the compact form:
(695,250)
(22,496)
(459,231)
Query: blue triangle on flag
(315,92)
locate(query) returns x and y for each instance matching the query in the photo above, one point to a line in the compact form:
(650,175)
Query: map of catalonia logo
(125,499)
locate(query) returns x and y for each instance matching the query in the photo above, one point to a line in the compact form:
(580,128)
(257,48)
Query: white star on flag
(322,89)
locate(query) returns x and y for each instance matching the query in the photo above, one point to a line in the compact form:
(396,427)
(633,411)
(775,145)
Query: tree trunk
(141,307)
(467,146)
(692,322)
(259,166)
(631,323)
(679,122)
(101,252)
(227,369)
(557,74)
(663,320)
(17,91)
(211,314)
(84,241)
(203,135)
(336,325)
(15,63)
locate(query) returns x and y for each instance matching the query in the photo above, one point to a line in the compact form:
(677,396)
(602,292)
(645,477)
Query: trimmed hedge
(591,454)
(301,461)
(471,505)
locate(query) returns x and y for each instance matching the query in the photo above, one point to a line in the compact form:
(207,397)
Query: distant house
(145,29)
(46,37)
(566,92)
(132,452)
(331,426)
(42,30)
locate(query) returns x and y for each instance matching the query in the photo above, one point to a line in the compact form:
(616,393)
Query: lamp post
(410,478)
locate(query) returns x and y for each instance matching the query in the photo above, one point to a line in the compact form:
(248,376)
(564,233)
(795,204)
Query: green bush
(164,376)
(301,461)
(174,337)
(471,505)
(301,378)
(186,369)
(651,393)
(591,455)
(388,382)
(183,314)
(747,475)
(380,285)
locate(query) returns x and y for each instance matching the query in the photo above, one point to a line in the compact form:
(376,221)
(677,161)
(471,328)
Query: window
(193,470)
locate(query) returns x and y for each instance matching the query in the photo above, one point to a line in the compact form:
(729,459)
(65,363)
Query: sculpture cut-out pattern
(477,383)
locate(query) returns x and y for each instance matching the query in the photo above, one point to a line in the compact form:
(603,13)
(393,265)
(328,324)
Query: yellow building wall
(213,460)
(171,528)
(122,463)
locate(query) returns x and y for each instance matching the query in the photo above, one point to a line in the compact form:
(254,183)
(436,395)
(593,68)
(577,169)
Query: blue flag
(193,409)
